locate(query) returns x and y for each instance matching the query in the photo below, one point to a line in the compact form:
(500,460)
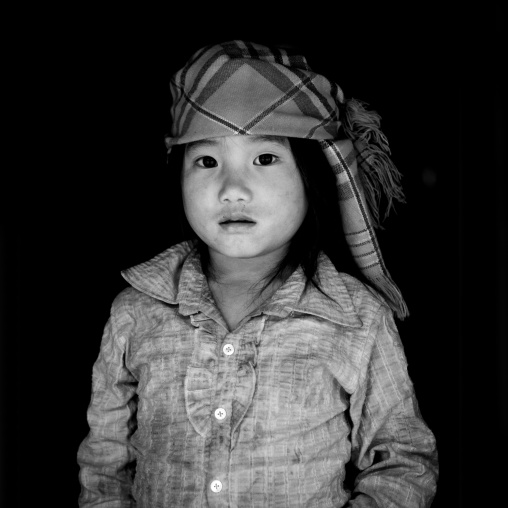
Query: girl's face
(243,195)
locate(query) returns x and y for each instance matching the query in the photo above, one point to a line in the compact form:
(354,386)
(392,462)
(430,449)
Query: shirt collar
(175,277)
(160,276)
(333,303)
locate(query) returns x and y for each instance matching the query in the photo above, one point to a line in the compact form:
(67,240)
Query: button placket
(229,386)
(221,430)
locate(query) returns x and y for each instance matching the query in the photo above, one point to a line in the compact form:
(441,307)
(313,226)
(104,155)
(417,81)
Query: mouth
(236,219)
(241,221)
(236,223)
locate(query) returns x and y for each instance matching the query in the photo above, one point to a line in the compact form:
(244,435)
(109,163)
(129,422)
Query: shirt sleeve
(105,457)
(392,448)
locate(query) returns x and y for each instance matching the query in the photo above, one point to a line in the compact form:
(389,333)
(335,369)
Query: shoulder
(133,308)
(379,330)
(128,300)
(373,310)
(367,302)
(377,343)
(349,292)
(160,276)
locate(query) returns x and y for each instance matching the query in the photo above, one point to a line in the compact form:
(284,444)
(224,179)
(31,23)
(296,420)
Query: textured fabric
(307,384)
(241,88)
(358,228)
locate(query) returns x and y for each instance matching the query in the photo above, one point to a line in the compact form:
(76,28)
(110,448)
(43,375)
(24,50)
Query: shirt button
(220,413)
(228,349)
(216,486)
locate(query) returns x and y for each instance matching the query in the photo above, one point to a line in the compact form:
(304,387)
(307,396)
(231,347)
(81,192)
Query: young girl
(242,367)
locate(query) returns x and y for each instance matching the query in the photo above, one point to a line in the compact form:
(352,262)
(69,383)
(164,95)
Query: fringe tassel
(392,295)
(378,173)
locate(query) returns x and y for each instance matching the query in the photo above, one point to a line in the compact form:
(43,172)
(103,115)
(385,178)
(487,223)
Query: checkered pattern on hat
(242,88)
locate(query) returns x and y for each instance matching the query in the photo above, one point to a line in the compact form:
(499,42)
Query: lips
(236,223)
(236,218)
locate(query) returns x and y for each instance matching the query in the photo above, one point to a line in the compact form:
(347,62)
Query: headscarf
(243,88)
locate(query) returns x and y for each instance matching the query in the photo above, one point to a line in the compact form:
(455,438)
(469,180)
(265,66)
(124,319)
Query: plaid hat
(242,88)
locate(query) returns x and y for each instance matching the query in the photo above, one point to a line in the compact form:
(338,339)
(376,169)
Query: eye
(206,162)
(265,159)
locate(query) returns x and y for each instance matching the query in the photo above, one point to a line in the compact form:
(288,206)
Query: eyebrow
(202,142)
(280,140)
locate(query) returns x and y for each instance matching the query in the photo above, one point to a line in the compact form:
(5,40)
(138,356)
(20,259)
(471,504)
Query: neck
(237,284)
(242,272)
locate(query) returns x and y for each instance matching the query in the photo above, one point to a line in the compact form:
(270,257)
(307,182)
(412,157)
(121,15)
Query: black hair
(320,231)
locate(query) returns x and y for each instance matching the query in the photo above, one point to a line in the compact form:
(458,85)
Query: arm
(105,457)
(392,447)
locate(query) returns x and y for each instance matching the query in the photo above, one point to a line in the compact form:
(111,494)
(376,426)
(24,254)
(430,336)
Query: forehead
(249,140)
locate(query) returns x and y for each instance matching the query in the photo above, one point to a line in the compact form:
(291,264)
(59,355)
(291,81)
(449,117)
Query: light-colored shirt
(185,413)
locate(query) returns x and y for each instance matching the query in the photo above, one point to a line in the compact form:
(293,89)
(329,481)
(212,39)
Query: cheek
(186,199)
(295,200)
(190,199)
(198,206)
(192,191)
(299,211)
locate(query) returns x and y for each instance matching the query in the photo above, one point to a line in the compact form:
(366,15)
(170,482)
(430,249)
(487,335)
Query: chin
(239,251)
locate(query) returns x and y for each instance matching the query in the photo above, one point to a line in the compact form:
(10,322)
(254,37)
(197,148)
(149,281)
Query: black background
(85,196)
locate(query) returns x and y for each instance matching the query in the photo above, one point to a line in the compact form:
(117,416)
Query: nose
(235,185)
